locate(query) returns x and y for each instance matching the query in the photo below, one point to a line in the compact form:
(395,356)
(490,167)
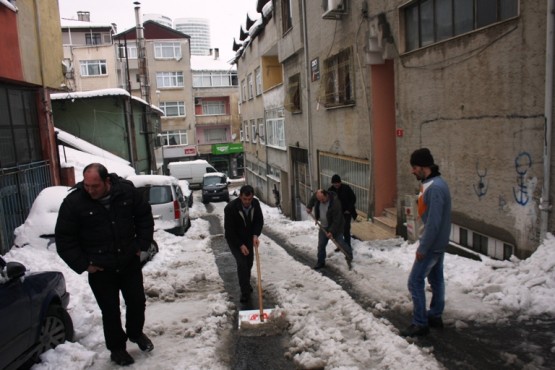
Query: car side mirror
(15,270)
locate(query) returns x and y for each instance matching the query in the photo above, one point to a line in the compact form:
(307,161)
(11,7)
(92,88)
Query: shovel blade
(252,317)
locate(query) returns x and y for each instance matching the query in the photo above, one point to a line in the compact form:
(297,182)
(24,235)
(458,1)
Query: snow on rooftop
(8,5)
(208,63)
(99,93)
(267,8)
(87,147)
(74,23)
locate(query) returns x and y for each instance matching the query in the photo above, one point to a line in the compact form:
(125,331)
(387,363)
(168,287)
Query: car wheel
(56,328)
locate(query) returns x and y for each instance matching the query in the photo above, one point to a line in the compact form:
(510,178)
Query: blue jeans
(432,268)
(323,242)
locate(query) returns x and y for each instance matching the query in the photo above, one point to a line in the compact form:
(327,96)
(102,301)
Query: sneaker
(319,266)
(121,357)
(415,331)
(435,322)
(143,342)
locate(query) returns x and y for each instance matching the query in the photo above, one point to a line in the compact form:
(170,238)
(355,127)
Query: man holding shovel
(329,215)
(243,222)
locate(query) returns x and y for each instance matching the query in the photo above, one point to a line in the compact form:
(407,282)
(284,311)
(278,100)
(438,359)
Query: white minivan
(192,171)
(169,206)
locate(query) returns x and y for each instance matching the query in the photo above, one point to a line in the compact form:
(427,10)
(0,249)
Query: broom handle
(260,303)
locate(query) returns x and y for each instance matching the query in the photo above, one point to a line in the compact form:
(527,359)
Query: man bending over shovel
(329,217)
(243,221)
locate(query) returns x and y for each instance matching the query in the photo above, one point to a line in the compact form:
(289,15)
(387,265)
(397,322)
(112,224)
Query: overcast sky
(225,16)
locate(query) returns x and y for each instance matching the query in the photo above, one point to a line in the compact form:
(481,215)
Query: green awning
(219,149)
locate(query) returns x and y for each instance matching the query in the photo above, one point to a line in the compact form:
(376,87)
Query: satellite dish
(233,136)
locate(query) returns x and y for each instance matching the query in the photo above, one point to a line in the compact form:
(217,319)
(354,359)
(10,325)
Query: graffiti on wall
(481,188)
(523,162)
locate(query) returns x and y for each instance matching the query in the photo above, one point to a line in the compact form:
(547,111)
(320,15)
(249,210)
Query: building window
(480,243)
(338,80)
(173,138)
(167,50)
(261,130)
(93,67)
(250,84)
(93,39)
(246,130)
(173,108)
(214,79)
(253,131)
(213,107)
(241,134)
(275,132)
(169,79)
(286,19)
(427,21)
(19,126)
(258,81)
(243,91)
(215,135)
(293,97)
(131,51)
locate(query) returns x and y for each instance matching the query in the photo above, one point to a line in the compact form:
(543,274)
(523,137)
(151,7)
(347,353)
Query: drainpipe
(545,206)
(309,97)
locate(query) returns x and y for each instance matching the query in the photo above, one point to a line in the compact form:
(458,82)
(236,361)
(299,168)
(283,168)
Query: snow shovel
(254,317)
(347,258)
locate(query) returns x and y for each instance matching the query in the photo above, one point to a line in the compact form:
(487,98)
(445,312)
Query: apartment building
(30,56)
(167,83)
(217,124)
(90,61)
(365,83)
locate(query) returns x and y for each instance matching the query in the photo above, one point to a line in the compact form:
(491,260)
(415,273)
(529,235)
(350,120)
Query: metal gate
(353,172)
(19,186)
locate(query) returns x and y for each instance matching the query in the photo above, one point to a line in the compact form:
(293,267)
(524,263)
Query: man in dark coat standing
(243,222)
(102,227)
(347,197)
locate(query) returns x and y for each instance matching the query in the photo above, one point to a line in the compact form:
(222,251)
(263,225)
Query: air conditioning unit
(334,9)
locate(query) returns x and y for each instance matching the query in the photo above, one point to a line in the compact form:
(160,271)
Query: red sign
(190,151)
(399,132)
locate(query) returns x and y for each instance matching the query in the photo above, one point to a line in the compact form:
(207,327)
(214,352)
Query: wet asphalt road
(513,345)
(252,349)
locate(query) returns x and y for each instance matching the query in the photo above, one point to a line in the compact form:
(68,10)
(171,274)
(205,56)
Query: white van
(192,171)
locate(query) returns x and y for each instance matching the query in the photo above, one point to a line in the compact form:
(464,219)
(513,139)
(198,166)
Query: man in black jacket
(102,227)
(243,222)
(348,199)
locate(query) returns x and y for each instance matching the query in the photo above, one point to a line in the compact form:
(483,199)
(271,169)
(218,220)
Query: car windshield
(214,180)
(159,194)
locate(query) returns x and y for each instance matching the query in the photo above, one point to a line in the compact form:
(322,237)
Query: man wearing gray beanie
(434,209)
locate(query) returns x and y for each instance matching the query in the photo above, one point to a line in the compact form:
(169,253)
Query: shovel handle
(259,284)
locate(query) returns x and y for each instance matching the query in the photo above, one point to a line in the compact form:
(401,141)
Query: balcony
(213,120)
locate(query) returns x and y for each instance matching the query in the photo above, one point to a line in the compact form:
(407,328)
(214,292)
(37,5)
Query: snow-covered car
(187,192)
(169,206)
(33,311)
(40,224)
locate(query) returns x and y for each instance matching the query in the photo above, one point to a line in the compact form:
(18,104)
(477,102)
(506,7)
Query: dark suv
(215,187)
(33,314)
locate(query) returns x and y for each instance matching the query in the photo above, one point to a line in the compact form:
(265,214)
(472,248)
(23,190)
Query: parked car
(215,187)
(169,206)
(40,224)
(187,192)
(33,314)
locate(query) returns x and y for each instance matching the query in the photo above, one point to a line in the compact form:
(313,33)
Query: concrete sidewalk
(367,230)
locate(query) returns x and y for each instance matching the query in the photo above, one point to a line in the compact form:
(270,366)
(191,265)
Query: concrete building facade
(366,83)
